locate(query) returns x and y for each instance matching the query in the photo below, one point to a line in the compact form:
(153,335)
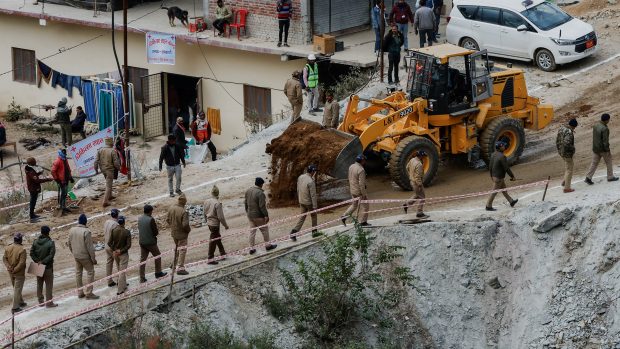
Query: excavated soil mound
(302,144)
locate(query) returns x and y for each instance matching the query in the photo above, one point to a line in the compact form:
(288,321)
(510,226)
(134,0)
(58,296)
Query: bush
(203,336)
(349,84)
(278,307)
(15,111)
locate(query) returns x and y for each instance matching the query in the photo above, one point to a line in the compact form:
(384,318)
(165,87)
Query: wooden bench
(7,144)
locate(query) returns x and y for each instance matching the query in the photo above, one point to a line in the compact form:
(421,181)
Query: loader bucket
(347,156)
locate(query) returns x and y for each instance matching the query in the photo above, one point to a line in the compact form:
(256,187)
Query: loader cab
(453,78)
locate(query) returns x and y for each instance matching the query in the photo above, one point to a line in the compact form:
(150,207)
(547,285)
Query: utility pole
(381,31)
(126,92)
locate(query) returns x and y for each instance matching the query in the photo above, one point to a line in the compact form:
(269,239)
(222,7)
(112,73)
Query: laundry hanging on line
(55,78)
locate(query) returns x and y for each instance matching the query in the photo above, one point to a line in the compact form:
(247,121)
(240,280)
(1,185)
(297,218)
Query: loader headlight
(564,42)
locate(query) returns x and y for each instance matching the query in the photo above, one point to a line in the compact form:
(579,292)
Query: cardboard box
(325,44)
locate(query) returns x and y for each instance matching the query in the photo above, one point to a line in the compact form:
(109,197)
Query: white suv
(522,30)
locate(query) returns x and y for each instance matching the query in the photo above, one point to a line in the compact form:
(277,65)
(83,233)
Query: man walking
(81,246)
(311,81)
(43,251)
(437,7)
(256,210)
(61,172)
(284,9)
(401,16)
(108,162)
(223,15)
(33,183)
(357,187)
(172,154)
(148,231)
(565,142)
(600,148)
(63,119)
(178,220)
(179,134)
(120,243)
(331,111)
(214,215)
(306,195)
(424,24)
(415,170)
(15,262)
(391,44)
(498,166)
(292,91)
(108,226)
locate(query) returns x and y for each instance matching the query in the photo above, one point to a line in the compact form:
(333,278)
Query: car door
(515,43)
(487,26)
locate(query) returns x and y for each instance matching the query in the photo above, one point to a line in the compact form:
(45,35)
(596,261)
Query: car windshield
(546,16)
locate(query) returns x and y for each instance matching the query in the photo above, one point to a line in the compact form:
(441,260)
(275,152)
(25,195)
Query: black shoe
(270,247)
(119,293)
(279,44)
(405,208)
(317,110)
(316,234)
(81,295)
(589,181)
(286,45)
(160,275)
(16,310)
(490,209)
(212,263)
(422,216)
(344,221)
(66,210)
(293,237)
(612,179)
(111,284)
(514,202)
(23,305)
(179,191)
(35,217)
(171,194)
(182,272)
(253,251)
(365,224)
(142,280)
(390,82)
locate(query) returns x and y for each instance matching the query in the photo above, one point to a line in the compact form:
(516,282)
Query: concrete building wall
(233,66)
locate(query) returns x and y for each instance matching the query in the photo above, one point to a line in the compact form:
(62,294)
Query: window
(488,15)
(468,11)
(512,20)
(257,105)
(24,66)
(546,16)
(135,75)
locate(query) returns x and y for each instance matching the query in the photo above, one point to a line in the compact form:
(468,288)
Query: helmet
(360,158)
(311,57)
(312,168)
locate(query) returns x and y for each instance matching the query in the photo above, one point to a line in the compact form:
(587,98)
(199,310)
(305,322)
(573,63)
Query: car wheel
(545,60)
(470,44)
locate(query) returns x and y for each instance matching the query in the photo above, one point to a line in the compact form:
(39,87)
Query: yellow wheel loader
(456,103)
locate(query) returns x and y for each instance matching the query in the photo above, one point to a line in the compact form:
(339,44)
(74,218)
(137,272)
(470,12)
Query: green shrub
(15,111)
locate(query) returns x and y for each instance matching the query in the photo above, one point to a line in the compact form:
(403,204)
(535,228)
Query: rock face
(553,220)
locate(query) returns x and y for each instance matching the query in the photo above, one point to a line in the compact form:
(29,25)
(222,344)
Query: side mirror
(522,28)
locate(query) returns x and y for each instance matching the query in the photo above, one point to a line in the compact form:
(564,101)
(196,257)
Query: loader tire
(507,129)
(404,152)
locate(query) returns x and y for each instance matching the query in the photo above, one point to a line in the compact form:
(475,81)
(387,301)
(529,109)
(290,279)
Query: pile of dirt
(583,110)
(302,144)
(587,6)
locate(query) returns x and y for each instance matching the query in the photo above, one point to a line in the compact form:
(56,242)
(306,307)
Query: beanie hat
(182,199)
(179,119)
(109,141)
(605,117)
(573,123)
(259,181)
(121,220)
(82,220)
(18,238)
(114,213)
(45,230)
(215,191)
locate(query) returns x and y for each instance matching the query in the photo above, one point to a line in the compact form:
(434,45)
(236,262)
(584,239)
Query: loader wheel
(404,152)
(506,129)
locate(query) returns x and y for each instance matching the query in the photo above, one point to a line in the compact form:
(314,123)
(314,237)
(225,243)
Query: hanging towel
(44,73)
(89,101)
(106,109)
(120,110)
(74,81)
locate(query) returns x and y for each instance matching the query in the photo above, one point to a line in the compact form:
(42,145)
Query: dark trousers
(215,234)
(394,60)
(62,199)
(437,19)
(212,150)
(79,130)
(48,280)
(427,35)
(144,254)
(283,25)
(219,24)
(33,202)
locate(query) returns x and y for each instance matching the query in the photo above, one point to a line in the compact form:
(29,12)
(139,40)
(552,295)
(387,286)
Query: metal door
(153,106)
(330,16)
(481,82)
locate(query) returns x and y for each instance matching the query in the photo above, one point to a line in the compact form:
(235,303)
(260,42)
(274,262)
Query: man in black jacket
(63,118)
(77,125)
(498,166)
(391,44)
(173,155)
(43,251)
(179,133)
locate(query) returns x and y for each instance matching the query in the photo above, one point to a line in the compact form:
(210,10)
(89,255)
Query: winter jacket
(214,214)
(81,243)
(108,226)
(424,19)
(61,171)
(292,90)
(499,165)
(195,126)
(179,135)
(565,142)
(63,113)
(256,203)
(415,170)
(357,180)
(306,191)
(78,122)
(147,230)
(33,182)
(393,42)
(331,114)
(375,17)
(401,13)
(600,138)
(178,220)
(43,250)
(170,154)
(284,9)
(107,160)
(120,239)
(15,258)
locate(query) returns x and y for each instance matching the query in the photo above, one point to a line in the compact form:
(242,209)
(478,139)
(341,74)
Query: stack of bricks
(262,20)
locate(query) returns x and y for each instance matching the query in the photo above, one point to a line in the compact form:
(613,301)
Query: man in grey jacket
(81,245)
(424,24)
(256,209)
(306,195)
(498,166)
(147,232)
(214,215)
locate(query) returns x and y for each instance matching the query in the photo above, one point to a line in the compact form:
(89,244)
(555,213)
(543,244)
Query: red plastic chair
(240,17)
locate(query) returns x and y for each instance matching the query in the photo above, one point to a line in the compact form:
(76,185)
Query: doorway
(182,98)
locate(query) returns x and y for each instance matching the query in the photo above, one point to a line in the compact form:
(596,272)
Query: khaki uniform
(415,170)
(81,245)
(108,226)
(499,167)
(331,114)
(306,193)
(120,240)
(178,220)
(108,162)
(256,209)
(214,215)
(15,262)
(292,90)
(357,187)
